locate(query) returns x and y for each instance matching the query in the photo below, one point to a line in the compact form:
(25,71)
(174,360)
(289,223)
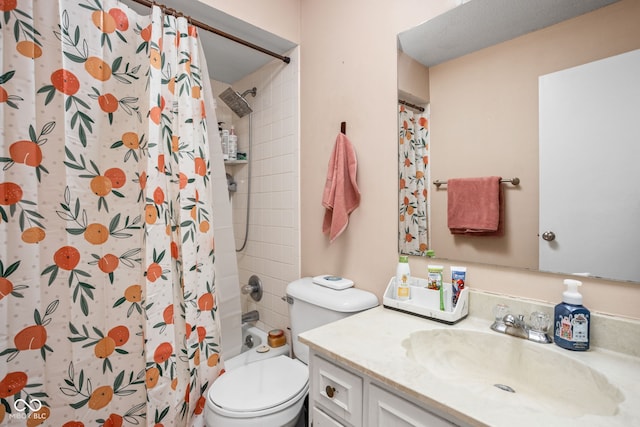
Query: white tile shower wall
(226,269)
(273,248)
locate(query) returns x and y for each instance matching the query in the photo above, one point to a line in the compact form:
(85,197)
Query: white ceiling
(477,24)
(227,60)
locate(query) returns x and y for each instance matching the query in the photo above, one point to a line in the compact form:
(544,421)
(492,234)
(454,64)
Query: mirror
(481,63)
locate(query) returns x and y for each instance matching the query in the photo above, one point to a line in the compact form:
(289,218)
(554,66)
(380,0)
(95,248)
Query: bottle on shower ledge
(233,144)
(224,136)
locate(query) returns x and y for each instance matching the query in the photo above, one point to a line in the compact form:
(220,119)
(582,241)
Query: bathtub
(260,350)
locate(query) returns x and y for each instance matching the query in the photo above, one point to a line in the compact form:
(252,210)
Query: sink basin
(513,371)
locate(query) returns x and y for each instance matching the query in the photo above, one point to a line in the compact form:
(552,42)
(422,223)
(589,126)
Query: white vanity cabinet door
(386,409)
(336,390)
(342,397)
(320,419)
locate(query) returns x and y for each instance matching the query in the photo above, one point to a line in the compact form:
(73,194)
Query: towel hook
(343,127)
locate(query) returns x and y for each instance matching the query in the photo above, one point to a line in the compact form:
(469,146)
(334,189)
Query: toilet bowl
(271,392)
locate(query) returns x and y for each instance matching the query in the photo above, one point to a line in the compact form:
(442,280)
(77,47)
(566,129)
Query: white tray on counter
(426,302)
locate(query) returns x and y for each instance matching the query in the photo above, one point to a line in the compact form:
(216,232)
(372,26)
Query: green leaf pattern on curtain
(107,282)
(413,170)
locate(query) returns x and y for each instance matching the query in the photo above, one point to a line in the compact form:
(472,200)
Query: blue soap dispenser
(571,320)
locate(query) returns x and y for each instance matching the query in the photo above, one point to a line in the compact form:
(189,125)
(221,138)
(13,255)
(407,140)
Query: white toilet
(271,392)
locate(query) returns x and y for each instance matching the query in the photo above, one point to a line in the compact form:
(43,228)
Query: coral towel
(341,195)
(475,206)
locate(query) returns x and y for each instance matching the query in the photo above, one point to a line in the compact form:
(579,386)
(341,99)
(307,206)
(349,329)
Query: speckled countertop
(374,343)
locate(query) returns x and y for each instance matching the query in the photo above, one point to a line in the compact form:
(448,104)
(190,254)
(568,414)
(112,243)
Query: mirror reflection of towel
(341,195)
(475,206)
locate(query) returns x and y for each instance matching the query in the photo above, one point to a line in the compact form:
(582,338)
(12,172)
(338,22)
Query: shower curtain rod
(211,29)
(410,105)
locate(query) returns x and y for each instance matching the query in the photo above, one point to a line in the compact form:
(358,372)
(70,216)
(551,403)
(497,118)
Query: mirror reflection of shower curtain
(413,170)
(107,279)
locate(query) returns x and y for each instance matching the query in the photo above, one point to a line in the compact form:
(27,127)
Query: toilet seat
(260,388)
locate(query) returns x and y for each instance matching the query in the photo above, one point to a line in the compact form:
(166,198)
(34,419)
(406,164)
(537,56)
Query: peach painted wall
(280,17)
(348,73)
(413,80)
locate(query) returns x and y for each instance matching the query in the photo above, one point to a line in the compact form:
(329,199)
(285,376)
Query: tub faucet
(251,316)
(507,323)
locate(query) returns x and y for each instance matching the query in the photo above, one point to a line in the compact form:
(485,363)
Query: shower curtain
(107,289)
(413,170)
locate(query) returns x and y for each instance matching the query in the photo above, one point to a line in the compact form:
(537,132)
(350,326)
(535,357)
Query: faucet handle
(539,321)
(253,288)
(499,311)
(513,321)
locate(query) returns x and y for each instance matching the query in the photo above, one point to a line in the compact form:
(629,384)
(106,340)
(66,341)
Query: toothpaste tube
(458,277)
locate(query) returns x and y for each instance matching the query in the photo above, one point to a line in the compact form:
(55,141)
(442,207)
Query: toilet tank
(312,305)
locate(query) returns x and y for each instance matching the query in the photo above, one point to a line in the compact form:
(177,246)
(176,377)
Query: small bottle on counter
(458,277)
(403,278)
(434,277)
(233,144)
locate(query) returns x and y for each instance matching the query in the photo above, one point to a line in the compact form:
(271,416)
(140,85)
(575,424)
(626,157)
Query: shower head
(237,102)
(251,92)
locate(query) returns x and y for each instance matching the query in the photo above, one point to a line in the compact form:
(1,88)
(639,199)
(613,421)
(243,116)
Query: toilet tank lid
(348,300)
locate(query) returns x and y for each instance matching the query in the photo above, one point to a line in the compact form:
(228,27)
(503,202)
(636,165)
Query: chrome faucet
(507,323)
(251,316)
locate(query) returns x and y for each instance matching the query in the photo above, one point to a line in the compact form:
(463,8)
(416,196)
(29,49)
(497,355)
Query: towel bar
(514,181)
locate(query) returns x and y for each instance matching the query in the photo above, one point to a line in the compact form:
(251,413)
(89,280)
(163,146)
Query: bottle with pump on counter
(403,278)
(571,320)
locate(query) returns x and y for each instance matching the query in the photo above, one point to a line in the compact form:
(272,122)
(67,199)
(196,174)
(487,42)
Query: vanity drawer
(337,390)
(320,419)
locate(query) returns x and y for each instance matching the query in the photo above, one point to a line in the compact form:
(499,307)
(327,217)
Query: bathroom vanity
(382,367)
(342,396)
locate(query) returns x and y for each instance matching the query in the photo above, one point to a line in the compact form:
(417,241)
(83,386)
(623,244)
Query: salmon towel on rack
(341,195)
(475,206)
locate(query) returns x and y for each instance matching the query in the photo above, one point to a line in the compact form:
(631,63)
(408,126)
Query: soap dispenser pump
(571,319)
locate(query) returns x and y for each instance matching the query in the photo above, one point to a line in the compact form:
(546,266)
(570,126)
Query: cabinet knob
(330,391)
(549,236)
